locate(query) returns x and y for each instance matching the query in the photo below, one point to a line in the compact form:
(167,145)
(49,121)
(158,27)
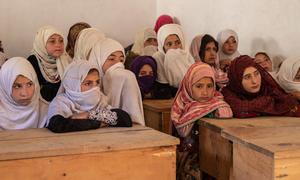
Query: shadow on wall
(271,47)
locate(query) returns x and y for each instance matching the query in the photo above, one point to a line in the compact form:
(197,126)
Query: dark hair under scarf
(145,83)
(270,100)
(205,40)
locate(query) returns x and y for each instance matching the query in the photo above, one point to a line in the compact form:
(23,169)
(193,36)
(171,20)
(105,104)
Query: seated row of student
(145,44)
(252,91)
(161,20)
(172,59)
(228,45)
(197,97)
(204,48)
(49,60)
(80,104)
(118,84)
(288,76)
(20,104)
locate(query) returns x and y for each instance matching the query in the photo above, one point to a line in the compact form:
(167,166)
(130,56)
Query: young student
(253,92)
(86,40)
(74,31)
(196,98)
(119,84)
(80,105)
(20,104)
(289,76)
(49,60)
(145,70)
(172,59)
(204,48)
(228,45)
(145,44)
(162,20)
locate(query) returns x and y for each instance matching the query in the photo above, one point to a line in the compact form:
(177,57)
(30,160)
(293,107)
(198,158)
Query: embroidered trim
(104,115)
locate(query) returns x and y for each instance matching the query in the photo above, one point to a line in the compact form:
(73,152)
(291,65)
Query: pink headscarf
(162,20)
(185,109)
(221,77)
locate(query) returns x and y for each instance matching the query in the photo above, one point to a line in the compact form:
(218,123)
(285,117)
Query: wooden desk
(107,153)
(157,114)
(218,143)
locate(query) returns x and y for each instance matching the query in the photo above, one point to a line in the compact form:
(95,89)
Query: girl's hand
(296,94)
(83,115)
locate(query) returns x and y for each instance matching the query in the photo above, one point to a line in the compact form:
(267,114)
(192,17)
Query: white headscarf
(86,40)
(119,84)
(222,38)
(51,68)
(102,50)
(140,39)
(70,99)
(177,62)
(159,56)
(13,115)
(287,73)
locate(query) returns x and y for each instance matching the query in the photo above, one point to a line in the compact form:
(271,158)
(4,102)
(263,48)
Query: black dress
(48,90)
(59,124)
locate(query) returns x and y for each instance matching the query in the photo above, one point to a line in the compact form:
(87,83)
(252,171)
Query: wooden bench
(243,148)
(107,153)
(157,114)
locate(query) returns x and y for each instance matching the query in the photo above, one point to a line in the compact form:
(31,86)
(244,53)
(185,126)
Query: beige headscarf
(51,68)
(140,39)
(287,73)
(222,38)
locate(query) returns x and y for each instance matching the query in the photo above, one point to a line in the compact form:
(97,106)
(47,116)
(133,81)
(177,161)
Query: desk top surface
(158,105)
(274,136)
(31,143)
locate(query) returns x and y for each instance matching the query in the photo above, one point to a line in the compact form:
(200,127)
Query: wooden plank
(215,153)
(147,164)
(153,119)
(250,164)
(43,132)
(287,169)
(158,105)
(45,146)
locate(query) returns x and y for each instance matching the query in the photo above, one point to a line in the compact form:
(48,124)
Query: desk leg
(166,118)
(215,153)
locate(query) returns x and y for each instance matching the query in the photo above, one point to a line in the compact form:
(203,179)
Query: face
(264,62)
(251,80)
(297,77)
(172,42)
(230,46)
(210,53)
(146,70)
(91,80)
(150,41)
(112,59)
(55,46)
(22,90)
(203,90)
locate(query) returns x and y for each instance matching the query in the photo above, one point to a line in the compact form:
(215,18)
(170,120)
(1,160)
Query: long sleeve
(59,124)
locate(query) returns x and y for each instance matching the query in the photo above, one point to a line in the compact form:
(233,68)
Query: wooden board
(157,114)
(106,153)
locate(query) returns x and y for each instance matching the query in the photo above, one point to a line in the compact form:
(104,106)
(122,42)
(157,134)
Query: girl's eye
(16,86)
(247,76)
(169,44)
(29,84)
(210,85)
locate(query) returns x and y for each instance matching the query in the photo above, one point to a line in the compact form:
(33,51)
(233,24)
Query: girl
(196,98)
(228,45)
(86,40)
(119,85)
(172,59)
(204,48)
(20,104)
(81,105)
(145,44)
(145,70)
(253,92)
(72,36)
(289,76)
(49,60)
